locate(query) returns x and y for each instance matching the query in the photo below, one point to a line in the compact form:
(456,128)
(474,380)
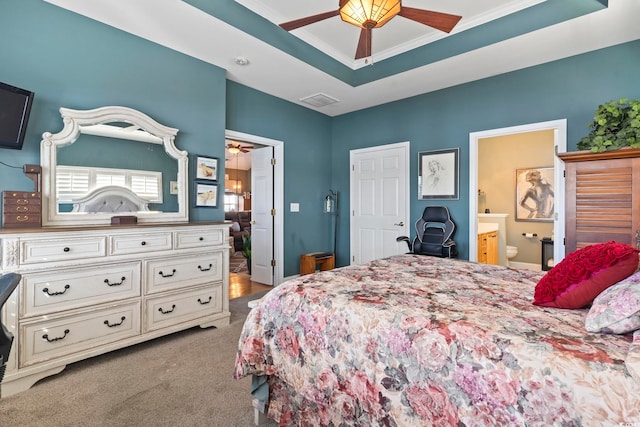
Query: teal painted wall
(307,164)
(72,61)
(79,63)
(571,88)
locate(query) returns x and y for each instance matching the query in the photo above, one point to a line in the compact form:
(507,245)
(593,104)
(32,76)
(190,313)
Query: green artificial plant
(615,124)
(246,246)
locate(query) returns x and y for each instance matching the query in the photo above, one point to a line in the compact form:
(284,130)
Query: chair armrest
(404,239)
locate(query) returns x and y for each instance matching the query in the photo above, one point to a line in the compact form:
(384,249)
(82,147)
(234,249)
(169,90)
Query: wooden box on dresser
(602,197)
(86,291)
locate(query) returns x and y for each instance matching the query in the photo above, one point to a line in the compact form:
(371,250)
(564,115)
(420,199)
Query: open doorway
(558,128)
(274,239)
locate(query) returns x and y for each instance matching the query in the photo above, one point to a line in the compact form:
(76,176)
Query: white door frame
(559,128)
(407,146)
(278,195)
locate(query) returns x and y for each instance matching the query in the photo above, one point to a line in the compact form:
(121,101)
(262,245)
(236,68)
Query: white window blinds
(74,182)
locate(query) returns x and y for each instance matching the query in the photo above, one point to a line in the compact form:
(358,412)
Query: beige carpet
(184,379)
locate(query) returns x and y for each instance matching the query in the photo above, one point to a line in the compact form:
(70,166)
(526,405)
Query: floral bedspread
(422,341)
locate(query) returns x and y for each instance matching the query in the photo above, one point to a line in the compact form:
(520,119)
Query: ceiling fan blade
(292,25)
(438,20)
(364,44)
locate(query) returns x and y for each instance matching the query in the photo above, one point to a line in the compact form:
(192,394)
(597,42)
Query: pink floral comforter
(422,341)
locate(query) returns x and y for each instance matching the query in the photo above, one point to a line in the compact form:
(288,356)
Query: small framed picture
(206,195)
(438,174)
(534,194)
(206,168)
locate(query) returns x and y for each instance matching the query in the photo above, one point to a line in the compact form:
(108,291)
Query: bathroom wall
(498,159)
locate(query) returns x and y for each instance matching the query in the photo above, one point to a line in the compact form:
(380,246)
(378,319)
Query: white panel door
(262,215)
(379,201)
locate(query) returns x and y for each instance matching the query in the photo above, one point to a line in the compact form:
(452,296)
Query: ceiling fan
(369,14)
(235,148)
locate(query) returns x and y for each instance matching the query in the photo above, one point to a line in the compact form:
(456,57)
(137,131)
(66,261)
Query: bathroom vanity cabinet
(602,197)
(488,248)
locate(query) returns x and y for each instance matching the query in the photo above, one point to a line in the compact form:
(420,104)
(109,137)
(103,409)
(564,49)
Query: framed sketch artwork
(438,174)
(206,168)
(534,194)
(206,195)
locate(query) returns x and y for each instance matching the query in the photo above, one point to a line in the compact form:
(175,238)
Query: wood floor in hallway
(241,285)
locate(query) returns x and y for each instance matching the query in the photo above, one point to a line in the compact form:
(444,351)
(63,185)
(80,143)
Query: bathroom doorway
(482,197)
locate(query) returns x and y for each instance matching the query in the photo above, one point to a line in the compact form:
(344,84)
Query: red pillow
(583,274)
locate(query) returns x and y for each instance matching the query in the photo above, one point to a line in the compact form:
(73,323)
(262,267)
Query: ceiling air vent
(319,100)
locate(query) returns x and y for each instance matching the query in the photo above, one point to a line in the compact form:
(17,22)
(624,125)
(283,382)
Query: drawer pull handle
(22,209)
(201,239)
(113,325)
(66,249)
(143,243)
(122,279)
(173,307)
(22,218)
(205,269)
(205,302)
(46,291)
(173,272)
(22,201)
(46,337)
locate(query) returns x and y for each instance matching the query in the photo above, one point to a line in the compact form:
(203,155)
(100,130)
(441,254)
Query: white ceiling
(182,27)
(242,160)
(339,40)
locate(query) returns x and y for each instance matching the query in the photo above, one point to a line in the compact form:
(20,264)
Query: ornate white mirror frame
(95,122)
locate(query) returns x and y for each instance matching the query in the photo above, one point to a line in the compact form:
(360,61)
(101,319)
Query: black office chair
(434,234)
(8,283)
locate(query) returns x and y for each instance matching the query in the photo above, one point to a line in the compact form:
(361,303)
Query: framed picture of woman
(438,174)
(534,194)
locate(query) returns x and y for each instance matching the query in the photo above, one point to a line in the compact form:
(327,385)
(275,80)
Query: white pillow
(617,309)
(235,226)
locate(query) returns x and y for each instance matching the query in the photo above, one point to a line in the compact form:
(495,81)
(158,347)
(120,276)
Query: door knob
(401,224)
(253,223)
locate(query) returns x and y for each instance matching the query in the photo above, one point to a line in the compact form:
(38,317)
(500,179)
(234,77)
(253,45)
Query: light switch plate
(295,207)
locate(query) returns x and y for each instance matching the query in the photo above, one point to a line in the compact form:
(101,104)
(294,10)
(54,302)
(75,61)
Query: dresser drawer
(48,250)
(50,292)
(139,243)
(179,272)
(198,239)
(51,338)
(168,310)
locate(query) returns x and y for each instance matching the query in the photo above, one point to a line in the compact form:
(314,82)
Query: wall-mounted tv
(15,106)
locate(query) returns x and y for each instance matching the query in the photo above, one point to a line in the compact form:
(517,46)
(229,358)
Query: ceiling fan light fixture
(369,13)
(233,150)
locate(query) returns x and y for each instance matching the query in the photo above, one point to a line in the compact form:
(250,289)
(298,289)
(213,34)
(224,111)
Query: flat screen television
(15,106)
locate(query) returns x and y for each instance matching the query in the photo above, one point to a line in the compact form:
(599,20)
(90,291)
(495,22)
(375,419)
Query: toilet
(512,251)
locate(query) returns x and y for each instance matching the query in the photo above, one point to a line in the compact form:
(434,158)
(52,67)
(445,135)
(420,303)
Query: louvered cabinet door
(602,199)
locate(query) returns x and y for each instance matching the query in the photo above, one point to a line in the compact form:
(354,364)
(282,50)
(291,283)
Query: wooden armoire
(602,193)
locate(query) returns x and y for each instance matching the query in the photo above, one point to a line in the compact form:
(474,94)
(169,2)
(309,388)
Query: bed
(421,341)
(111,199)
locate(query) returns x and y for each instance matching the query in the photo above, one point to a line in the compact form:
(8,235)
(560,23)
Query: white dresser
(86,291)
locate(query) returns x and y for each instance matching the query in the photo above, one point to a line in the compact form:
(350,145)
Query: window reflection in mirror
(95,161)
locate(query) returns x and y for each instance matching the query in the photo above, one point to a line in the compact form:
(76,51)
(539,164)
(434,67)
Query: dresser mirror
(112,161)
